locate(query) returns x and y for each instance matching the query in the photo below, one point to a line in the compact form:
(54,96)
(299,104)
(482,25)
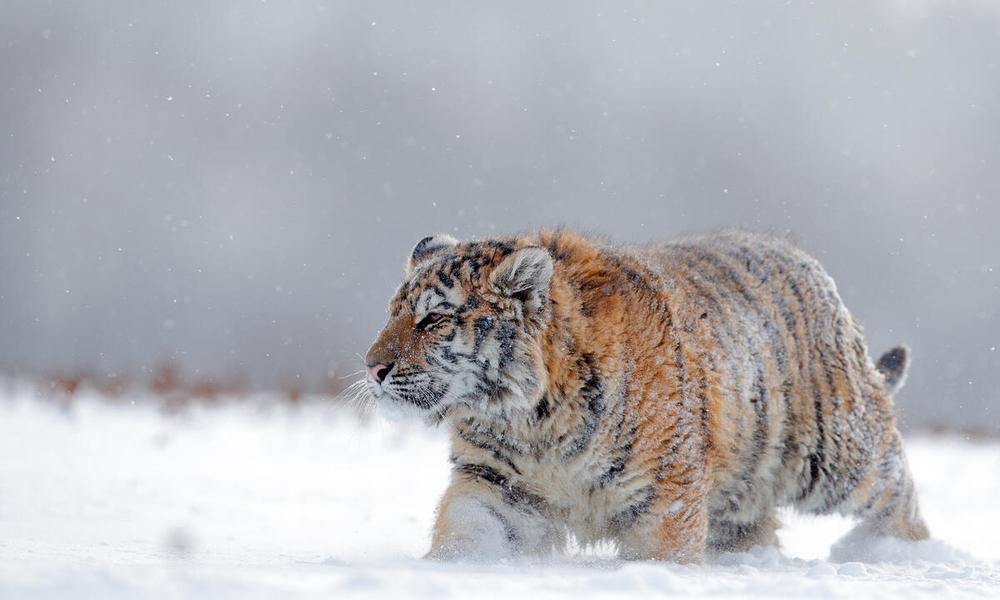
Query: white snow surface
(260,500)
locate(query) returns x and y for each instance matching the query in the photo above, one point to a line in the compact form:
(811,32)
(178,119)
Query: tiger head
(464,330)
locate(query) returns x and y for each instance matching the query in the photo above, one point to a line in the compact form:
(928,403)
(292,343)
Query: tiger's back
(799,413)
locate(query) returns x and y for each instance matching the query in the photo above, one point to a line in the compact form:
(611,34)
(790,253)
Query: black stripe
(502,247)
(886,467)
(759,395)
(759,398)
(557,251)
(542,409)
(624,441)
(628,517)
(761,269)
(714,316)
(833,457)
(508,528)
(779,261)
(853,467)
(732,287)
(484,444)
(481,328)
(591,396)
(722,266)
(511,493)
(817,456)
(470,303)
(617,466)
(445,279)
(505,335)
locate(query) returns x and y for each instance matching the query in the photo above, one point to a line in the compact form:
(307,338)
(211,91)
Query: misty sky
(234,186)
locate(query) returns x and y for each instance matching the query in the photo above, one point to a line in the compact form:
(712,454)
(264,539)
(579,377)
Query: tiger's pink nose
(379,371)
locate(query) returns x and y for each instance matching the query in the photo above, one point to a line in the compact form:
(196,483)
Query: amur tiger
(668,398)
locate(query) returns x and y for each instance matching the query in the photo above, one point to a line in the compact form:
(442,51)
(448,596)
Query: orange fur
(667,397)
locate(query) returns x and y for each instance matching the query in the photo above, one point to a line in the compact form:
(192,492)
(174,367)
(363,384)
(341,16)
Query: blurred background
(231,188)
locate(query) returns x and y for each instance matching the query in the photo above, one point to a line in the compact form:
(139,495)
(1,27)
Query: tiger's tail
(893,365)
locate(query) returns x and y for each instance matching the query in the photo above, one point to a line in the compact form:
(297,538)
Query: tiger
(665,398)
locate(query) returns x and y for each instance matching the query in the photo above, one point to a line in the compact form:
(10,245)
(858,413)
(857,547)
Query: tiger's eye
(430,320)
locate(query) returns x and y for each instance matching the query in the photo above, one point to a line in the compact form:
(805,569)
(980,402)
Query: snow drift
(256,499)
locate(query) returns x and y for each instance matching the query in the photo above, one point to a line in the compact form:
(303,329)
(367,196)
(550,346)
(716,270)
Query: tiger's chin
(394,410)
(401,411)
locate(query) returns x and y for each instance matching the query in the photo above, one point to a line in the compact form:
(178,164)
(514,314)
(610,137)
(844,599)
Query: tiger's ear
(428,246)
(525,275)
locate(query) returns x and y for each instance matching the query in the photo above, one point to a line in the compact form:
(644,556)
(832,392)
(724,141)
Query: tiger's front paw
(468,529)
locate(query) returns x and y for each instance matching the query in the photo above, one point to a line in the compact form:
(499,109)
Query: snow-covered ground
(255,500)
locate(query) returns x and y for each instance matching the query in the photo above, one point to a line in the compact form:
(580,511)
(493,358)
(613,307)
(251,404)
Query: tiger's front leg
(482,521)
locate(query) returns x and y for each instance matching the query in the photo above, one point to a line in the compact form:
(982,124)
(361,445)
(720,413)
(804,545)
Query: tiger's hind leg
(890,510)
(730,536)
(881,494)
(889,506)
(857,466)
(886,501)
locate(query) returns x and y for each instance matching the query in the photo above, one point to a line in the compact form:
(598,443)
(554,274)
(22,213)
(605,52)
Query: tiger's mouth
(394,409)
(409,398)
(427,408)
